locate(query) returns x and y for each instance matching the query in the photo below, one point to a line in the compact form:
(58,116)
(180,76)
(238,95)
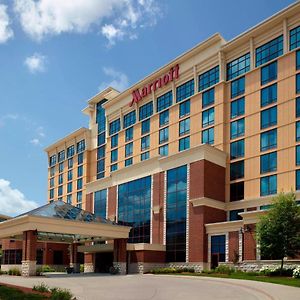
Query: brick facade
(233,245)
(249,242)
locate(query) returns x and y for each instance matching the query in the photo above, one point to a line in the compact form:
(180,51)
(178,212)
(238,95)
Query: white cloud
(36,63)
(12,201)
(115,18)
(119,80)
(35,142)
(6,32)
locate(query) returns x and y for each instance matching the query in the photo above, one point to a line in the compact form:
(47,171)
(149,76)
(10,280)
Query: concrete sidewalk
(160,287)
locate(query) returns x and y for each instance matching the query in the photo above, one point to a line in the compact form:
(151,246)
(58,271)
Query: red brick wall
(249,242)
(233,245)
(10,245)
(120,250)
(112,201)
(29,245)
(158,198)
(89,206)
(147,256)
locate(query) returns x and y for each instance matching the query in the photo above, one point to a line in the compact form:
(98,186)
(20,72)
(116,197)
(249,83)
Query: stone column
(29,253)
(74,258)
(89,266)
(120,255)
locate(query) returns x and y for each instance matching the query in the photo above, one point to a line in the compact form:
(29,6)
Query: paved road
(160,287)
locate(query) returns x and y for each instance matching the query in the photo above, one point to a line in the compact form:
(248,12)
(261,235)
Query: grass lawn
(8,293)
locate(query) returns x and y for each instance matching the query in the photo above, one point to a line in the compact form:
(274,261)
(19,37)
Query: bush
(113,271)
(14,271)
(46,269)
(206,271)
(81,268)
(276,271)
(61,294)
(223,269)
(3,272)
(296,272)
(172,270)
(43,288)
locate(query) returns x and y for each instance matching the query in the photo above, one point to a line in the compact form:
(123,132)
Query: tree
(278,231)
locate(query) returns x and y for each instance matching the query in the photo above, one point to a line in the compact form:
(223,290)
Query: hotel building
(191,155)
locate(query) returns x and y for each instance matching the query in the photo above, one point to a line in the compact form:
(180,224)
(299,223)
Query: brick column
(89,263)
(234,246)
(89,203)
(74,257)
(120,255)
(249,242)
(112,202)
(29,253)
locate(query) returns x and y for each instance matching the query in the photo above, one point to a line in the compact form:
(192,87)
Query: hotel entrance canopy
(62,222)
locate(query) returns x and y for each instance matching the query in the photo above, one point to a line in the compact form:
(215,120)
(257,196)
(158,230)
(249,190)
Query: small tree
(278,231)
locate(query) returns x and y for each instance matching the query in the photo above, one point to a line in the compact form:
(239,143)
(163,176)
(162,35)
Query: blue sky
(55,55)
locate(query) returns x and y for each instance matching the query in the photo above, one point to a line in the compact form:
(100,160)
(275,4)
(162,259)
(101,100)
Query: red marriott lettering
(138,95)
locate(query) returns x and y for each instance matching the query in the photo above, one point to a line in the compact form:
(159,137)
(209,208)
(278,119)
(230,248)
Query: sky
(55,55)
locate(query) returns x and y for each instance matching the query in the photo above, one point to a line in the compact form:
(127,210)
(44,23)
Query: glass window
(51,182)
(237,191)
(129,119)
(185,90)
(145,126)
(70,175)
(268,73)
(184,144)
(208,97)
(52,160)
(128,162)
(61,167)
(100,203)
(237,149)
(176,203)
(60,179)
(70,151)
(60,190)
(268,117)
(52,171)
(208,78)
(208,136)
(69,199)
(61,156)
(51,194)
(297,180)
(101,139)
(134,208)
(163,135)
(237,128)
(69,187)
(101,152)
(208,117)
(237,170)
(184,127)
(218,243)
(238,87)
(164,150)
(234,215)
(268,162)
(114,167)
(100,168)
(80,147)
(269,51)
(268,140)
(298,83)
(164,118)
(79,184)
(298,155)
(114,126)
(238,66)
(129,134)
(128,149)
(164,101)
(298,107)
(114,155)
(298,60)
(145,155)
(268,185)
(295,38)
(298,131)
(184,108)
(70,163)
(80,158)
(146,111)
(79,196)
(268,95)
(237,108)
(114,141)
(145,142)
(100,116)
(79,171)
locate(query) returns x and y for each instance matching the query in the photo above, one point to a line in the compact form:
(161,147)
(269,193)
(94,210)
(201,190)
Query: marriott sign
(139,94)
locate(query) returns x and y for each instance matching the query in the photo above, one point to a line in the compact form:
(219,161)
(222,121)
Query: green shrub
(296,272)
(172,270)
(46,269)
(206,271)
(81,268)
(43,288)
(276,271)
(14,271)
(61,294)
(223,269)
(3,272)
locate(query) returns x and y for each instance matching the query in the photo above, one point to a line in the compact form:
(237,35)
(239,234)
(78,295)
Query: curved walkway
(160,287)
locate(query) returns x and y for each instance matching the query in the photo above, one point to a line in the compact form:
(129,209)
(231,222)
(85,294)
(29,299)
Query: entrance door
(214,261)
(103,262)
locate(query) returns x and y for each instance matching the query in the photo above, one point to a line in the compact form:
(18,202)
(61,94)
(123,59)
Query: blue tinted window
(208,97)
(69,199)
(52,160)
(164,101)
(184,144)
(238,66)
(218,243)
(145,127)
(208,117)
(79,184)
(145,155)
(100,116)
(297,155)
(101,152)
(129,119)
(80,159)
(60,190)
(237,87)
(100,203)
(237,191)
(70,163)
(234,215)
(185,90)
(295,38)
(114,155)
(61,156)
(145,142)
(164,150)
(237,170)
(114,167)
(268,73)
(268,185)
(268,140)
(268,95)
(298,60)
(51,193)
(129,134)
(134,208)
(268,162)
(237,149)
(69,187)
(298,131)
(184,108)
(237,108)
(297,180)
(298,107)
(100,168)
(70,175)
(128,162)
(176,203)
(298,83)
(52,171)
(164,118)
(237,128)
(114,141)
(79,171)
(101,139)
(184,126)
(60,178)
(52,182)
(60,167)
(268,117)
(208,136)
(269,51)
(146,111)
(70,151)
(128,149)
(209,78)
(163,135)
(114,127)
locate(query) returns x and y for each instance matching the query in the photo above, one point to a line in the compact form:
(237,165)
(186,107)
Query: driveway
(160,287)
